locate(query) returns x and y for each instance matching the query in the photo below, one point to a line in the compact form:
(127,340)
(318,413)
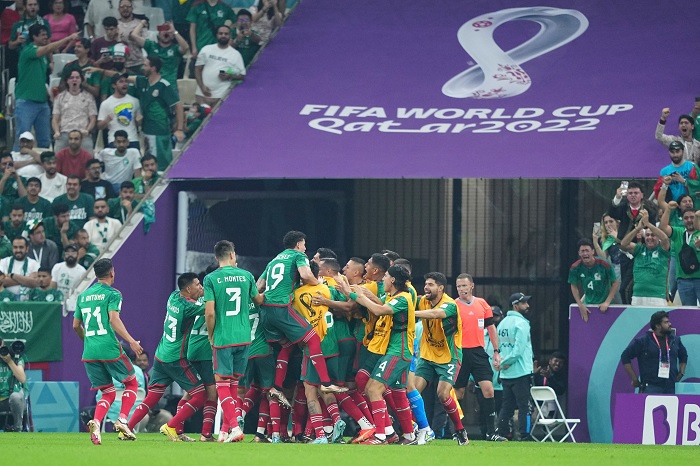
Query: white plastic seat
(546,396)
(60,60)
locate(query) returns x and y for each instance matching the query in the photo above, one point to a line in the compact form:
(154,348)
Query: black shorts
(475,362)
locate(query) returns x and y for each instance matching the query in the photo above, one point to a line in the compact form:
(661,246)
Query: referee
(476,315)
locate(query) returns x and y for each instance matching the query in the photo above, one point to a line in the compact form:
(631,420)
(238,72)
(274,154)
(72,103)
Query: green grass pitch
(155,449)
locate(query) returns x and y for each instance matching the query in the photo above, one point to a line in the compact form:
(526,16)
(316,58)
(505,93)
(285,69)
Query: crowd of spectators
(87,150)
(646,249)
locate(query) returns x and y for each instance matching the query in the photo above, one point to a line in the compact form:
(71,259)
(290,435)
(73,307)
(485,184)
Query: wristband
(496,351)
(664,186)
(353,296)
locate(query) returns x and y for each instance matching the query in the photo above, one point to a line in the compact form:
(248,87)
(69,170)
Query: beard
(223,41)
(71,261)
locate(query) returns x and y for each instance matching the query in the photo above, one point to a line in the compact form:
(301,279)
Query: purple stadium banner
(596,376)
(456,89)
(657,419)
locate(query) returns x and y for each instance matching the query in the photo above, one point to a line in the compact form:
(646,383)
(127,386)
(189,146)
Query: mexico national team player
(96,320)
(170,363)
(277,316)
(391,370)
(229,294)
(440,347)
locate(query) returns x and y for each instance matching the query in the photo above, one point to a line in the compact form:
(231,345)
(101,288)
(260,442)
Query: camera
(16,348)
(4,351)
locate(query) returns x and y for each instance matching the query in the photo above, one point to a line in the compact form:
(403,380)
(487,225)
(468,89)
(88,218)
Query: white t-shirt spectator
(54,187)
(119,168)
(101,233)
(123,113)
(214,59)
(33,169)
(26,267)
(66,278)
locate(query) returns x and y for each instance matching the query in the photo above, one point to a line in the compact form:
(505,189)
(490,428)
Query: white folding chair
(155,16)
(187,89)
(546,396)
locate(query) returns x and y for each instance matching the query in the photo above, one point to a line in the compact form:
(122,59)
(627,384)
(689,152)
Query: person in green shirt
(122,206)
(97,323)
(650,263)
(87,252)
(245,39)
(158,98)
(170,47)
(32,108)
(44,292)
(170,363)
(16,226)
(149,169)
(12,185)
(19,34)
(195,118)
(595,276)
(59,228)
(685,247)
(80,205)
(13,386)
(35,206)
(5,243)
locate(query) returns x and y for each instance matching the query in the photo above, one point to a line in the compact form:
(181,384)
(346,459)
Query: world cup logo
(498,73)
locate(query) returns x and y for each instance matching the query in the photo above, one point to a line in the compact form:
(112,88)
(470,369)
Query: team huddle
(303,331)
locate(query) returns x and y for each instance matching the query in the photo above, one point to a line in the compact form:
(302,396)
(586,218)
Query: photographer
(12,383)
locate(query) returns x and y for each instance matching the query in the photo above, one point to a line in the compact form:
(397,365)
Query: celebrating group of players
(356,331)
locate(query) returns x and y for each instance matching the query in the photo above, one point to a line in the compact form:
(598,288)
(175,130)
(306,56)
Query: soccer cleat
(363,435)
(204,438)
(408,441)
(461,437)
(430,435)
(123,428)
(495,438)
(373,440)
(338,430)
(241,422)
(169,432)
(276,439)
(185,438)
(236,435)
(320,441)
(279,396)
(223,435)
(393,438)
(333,389)
(94,428)
(422,437)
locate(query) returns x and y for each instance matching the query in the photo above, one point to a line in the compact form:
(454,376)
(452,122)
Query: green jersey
(8,382)
(207,18)
(595,281)
(259,347)
(80,209)
(11,189)
(91,253)
(403,326)
(678,237)
(232,290)
(198,346)
(11,232)
(179,317)
(170,55)
(39,210)
(650,271)
(33,68)
(156,101)
(93,308)
(49,295)
(141,186)
(281,277)
(6,296)
(53,232)
(5,247)
(246,47)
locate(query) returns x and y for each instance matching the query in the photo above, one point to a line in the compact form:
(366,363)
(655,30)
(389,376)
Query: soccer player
(440,348)
(306,301)
(277,316)
(229,294)
(96,320)
(393,336)
(170,362)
